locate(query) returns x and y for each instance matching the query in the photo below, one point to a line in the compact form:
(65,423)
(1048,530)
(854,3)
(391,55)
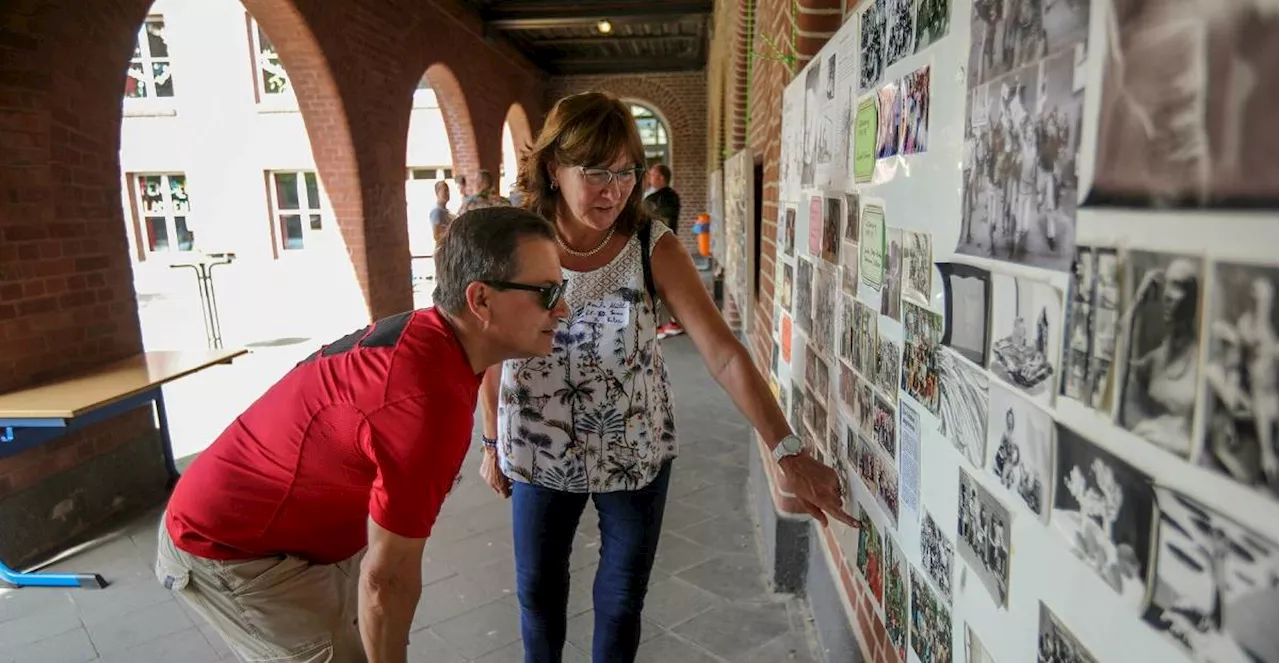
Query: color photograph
(922,329)
(930,623)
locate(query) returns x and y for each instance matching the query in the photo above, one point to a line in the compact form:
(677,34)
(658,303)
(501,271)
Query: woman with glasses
(594,420)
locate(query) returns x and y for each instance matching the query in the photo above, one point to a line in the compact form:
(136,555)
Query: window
(436,173)
(297,214)
(163,207)
(653,135)
(150,73)
(271,79)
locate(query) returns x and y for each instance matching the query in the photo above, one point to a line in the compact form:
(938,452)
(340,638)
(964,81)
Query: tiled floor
(707,600)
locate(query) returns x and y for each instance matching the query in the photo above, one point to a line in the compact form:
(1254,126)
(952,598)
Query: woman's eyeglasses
(601,177)
(548,295)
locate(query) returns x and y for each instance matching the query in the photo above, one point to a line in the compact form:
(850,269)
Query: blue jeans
(543,523)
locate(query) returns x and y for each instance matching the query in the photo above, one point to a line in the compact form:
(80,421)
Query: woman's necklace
(585,254)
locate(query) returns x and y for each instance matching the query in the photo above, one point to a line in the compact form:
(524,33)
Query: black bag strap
(646,231)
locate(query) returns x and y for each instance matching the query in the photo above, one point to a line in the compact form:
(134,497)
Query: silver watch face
(791,445)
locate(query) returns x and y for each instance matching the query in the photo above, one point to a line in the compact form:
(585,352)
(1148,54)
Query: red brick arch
(521,132)
(457,118)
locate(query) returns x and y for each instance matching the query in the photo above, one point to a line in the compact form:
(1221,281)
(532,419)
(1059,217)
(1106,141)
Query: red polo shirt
(374,424)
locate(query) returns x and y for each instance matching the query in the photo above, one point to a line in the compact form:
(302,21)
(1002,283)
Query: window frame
(141,224)
(148,61)
(311,236)
(268,101)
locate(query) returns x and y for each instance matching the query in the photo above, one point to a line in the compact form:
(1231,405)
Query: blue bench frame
(21,434)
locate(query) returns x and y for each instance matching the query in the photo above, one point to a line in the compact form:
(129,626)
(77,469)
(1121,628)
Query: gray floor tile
(482,630)
(733,576)
(138,627)
(789,648)
(680,514)
(453,596)
(474,551)
(724,534)
(673,601)
(731,631)
(463,523)
(581,629)
(54,618)
(676,553)
(427,647)
(581,582)
(100,605)
(72,646)
(187,646)
(20,603)
(669,648)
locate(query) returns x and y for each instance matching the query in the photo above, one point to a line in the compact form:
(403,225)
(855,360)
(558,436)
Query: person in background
(594,419)
(440,216)
(298,534)
(486,196)
(663,204)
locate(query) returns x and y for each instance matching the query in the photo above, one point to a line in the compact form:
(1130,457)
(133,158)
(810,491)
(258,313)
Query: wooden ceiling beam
(543,15)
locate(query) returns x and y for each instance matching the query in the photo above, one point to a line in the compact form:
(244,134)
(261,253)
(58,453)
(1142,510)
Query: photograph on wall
(830,250)
(825,302)
(891,292)
(1214,143)
(887,488)
(983,530)
(866,410)
(784,334)
(803,300)
(933,20)
(868,462)
(885,426)
(796,414)
(922,330)
(1020,436)
(917,267)
(1026,323)
(812,115)
(1056,644)
(1023,134)
(846,332)
(788,231)
(816,376)
(888,361)
(1161,318)
(870,560)
(816,210)
(963,412)
(871,23)
(937,555)
(930,623)
(849,261)
(1240,375)
(852,217)
(974,650)
(1092,315)
(871,245)
(915,112)
(1104,509)
(847,390)
(889,118)
(1006,36)
(788,284)
(896,602)
(967,300)
(900,34)
(866,124)
(1214,592)
(866,331)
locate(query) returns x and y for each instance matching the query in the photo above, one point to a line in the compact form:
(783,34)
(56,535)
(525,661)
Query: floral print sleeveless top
(595,414)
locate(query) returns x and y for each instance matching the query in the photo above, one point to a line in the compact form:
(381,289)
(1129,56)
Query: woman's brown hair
(588,129)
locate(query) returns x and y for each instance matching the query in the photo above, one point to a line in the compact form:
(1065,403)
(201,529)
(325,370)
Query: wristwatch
(790,445)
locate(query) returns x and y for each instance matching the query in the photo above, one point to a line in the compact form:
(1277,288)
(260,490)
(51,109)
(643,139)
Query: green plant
(782,51)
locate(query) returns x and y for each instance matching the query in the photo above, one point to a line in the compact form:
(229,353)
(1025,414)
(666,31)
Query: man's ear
(480,303)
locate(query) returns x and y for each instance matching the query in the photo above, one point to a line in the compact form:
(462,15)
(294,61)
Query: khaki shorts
(280,609)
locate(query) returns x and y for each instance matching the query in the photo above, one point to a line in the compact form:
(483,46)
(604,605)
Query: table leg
(166,442)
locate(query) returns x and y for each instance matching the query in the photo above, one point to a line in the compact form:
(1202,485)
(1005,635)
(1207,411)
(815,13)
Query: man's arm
(390,586)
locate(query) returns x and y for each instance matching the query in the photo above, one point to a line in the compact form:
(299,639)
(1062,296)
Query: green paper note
(864,140)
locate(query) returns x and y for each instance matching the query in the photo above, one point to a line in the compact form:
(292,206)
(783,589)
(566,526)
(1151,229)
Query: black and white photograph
(888,361)
(930,623)
(1240,375)
(796,413)
(967,300)
(788,283)
(965,400)
(803,301)
(815,413)
(1026,325)
(887,489)
(830,250)
(937,555)
(1056,644)
(1008,35)
(849,262)
(884,426)
(846,332)
(891,292)
(1214,592)
(983,531)
(1079,316)
(922,330)
(847,388)
(868,465)
(1214,143)
(866,410)
(788,231)
(871,24)
(1020,436)
(1161,318)
(1090,339)
(826,291)
(900,33)
(974,650)
(933,21)
(852,217)
(866,333)
(1104,508)
(1021,144)
(831,77)
(812,124)
(816,375)
(917,269)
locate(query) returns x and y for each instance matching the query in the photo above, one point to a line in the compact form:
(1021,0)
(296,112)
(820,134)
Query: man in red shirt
(354,450)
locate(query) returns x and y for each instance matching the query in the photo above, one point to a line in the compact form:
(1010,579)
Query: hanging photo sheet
(866,332)
(795,416)
(930,623)
(846,330)
(908,458)
(974,650)
(1056,644)
(984,528)
(1214,593)
(787,231)
(871,23)
(889,116)
(831,217)
(849,263)
(917,278)
(1240,398)
(816,210)
(1020,436)
(888,359)
(1092,321)
(964,404)
(1225,127)
(1104,510)
(937,556)
(847,391)
(784,336)
(871,245)
(933,21)
(900,34)
(1026,321)
(866,410)
(870,561)
(826,293)
(1161,321)
(896,603)
(866,127)
(812,114)
(788,284)
(891,291)
(922,330)
(804,294)
(967,295)
(914,90)
(852,217)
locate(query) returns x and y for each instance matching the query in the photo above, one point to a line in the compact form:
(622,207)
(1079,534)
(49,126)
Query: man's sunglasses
(548,295)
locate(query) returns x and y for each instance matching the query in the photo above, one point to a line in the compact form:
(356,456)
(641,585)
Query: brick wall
(66,287)
(681,99)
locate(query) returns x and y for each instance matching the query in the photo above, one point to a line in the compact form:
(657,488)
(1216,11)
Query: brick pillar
(743,37)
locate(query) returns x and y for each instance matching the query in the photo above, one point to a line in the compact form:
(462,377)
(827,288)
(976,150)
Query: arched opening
(517,138)
(654,134)
(510,162)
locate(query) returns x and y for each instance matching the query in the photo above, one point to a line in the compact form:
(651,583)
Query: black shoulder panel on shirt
(384,333)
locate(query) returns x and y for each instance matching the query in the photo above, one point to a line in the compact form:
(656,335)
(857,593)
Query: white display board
(1098,381)
(740,234)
